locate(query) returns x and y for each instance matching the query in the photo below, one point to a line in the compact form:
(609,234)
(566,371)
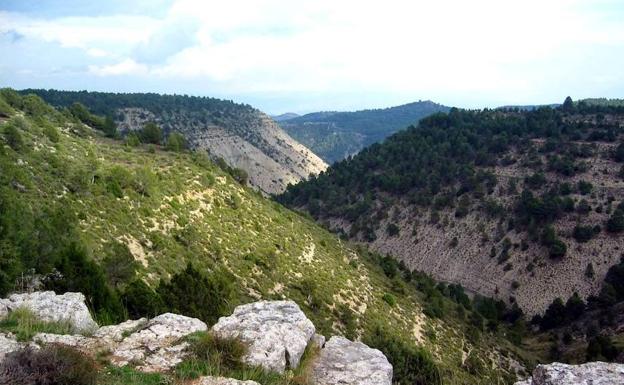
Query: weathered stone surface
(210,380)
(48,306)
(276,332)
(8,344)
(345,362)
(157,347)
(593,373)
(119,332)
(319,340)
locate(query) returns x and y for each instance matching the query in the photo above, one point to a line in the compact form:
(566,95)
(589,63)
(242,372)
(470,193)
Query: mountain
(335,135)
(286,116)
(241,135)
(141,230)
(525,206)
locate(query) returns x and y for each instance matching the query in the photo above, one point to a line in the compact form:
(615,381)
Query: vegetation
(24,324)
(335,135)
(121,224)
(52,364)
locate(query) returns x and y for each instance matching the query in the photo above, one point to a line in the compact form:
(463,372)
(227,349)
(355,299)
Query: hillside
(525,206)
(243,136)
(335,135)
(120,223)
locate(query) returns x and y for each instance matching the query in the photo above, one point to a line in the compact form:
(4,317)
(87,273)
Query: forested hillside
(141,229)
(526,206)
(335,135)
(242,136)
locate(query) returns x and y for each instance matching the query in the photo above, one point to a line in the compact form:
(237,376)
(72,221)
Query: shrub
(132,139)
(583,233)
(151,133)
(585,187)
(51,365)
(141,301)
(118,179)
(119,264)
(412,365)
(601,348)
(615,224)
(389,299)
(194,294)
(392,229)
(52,133)
(13,137)
(81,274)
(176,142)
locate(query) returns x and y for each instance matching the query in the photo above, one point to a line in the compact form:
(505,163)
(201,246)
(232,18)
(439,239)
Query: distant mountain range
(335,135)
(286,116)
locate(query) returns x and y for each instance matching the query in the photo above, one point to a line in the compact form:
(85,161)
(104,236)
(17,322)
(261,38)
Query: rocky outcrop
(593,373)
(210,380)
(345,362)
(249,140)
(276,332)
(152,346)
(48,306)
(157,346)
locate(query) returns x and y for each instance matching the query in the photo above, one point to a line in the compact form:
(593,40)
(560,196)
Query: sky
(303,56)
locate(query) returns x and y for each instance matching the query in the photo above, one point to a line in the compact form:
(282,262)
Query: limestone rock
(210,380)
(276,332)
(345,362)
(8,344)
(593,373)
(48,306)
(119,332)
(319,340)
(157,347)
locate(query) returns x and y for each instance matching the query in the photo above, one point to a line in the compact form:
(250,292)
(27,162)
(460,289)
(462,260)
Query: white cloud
(126,67)
(482,49)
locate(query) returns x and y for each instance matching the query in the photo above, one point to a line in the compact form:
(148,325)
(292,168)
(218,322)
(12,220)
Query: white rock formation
(8,344)
(593,373)
(48,306)
(345,362)
(276,333)
(210,380)
(157,346)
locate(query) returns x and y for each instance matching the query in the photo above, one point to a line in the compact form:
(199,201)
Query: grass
(113,375)
(25,325)
(212,356)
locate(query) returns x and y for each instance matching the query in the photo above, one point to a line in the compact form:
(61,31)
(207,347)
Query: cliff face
(255,144)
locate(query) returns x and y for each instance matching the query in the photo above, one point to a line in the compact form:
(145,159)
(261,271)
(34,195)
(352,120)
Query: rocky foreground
(276,334)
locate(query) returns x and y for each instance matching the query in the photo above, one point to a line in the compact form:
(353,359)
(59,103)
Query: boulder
(48,306)
(593,373)
(210,380)
(276,333)
(157,347)
(345,362)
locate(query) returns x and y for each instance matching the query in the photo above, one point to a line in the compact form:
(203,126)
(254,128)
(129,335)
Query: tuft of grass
(25,324)
(213,356)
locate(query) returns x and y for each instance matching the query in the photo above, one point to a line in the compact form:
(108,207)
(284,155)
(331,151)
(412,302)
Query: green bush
(176,142)
(411,365)
(13,137)
(151,133)
(141,301)
(50,365)
(81,274)
(132,139)
(389,299)
(194,294)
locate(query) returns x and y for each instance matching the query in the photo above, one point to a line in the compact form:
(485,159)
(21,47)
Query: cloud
(126,67)
(471,53)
